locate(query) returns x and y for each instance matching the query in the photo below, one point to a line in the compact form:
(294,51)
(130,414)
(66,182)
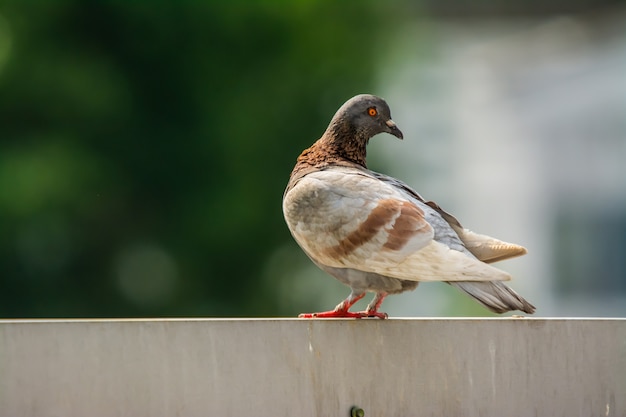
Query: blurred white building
(519,129)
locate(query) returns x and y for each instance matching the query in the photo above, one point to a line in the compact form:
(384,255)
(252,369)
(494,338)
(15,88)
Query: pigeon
(374,233)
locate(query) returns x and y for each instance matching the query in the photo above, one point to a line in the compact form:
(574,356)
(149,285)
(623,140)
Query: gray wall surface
(295,367)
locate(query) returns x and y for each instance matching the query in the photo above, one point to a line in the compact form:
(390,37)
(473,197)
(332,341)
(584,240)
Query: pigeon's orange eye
(372,111)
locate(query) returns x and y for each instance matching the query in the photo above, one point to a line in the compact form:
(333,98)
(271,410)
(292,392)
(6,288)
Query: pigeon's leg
(372,308)
(341,311)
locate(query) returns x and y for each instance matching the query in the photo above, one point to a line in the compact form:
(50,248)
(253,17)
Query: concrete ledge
(293,367)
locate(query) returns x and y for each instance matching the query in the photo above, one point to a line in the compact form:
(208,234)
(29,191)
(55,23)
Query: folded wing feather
(387,233)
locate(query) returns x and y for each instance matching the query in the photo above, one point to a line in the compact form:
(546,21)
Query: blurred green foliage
(145,146)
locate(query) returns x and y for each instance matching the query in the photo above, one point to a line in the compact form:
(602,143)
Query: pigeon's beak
(393,129)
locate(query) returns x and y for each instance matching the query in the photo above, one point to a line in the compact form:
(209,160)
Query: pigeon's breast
(316,205)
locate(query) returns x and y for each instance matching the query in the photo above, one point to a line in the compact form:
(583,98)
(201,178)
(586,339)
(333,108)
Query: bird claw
(334,314)
(376,314)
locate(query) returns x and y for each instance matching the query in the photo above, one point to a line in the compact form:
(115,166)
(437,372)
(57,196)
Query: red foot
(342,314)
(376,314)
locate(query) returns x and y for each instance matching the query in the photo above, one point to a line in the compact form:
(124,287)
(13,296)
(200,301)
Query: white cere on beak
(390,123)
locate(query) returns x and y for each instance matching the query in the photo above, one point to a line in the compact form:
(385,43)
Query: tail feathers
(496,296)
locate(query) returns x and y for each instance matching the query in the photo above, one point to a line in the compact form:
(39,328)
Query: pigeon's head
(366,115)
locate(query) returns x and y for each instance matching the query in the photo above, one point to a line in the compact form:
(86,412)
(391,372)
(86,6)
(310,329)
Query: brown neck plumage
(340,145)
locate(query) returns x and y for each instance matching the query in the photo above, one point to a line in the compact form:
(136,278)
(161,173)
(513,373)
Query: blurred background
(145,147)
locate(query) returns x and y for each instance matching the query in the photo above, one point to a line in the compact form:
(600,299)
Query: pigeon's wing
(485,248)
(346,218)
(489,249)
